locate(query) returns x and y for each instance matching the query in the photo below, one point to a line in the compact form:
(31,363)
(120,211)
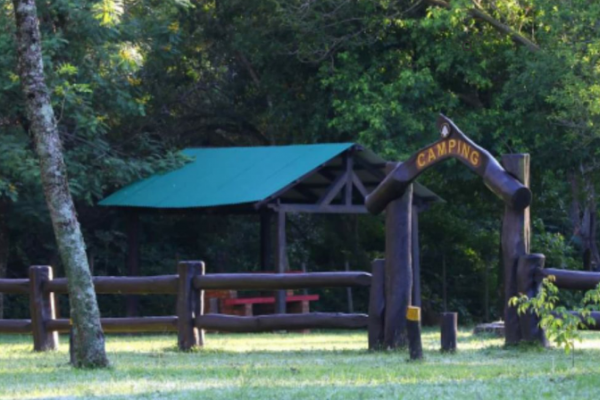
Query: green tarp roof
(240,175)
(226,176)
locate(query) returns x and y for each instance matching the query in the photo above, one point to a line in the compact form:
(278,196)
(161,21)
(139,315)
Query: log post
(41,308)
(528,284)
(280,261)
(413,327)
(133,257)
(189,305)
(398,268)
(449,331)
(377,305)
(516,233)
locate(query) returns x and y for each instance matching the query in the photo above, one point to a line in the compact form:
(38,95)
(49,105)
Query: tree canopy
(134,81)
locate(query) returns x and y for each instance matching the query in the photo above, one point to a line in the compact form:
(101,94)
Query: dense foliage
(136,80)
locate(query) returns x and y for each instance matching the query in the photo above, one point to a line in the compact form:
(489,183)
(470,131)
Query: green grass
(293,366)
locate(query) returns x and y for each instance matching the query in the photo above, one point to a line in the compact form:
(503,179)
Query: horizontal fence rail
(161,284)
(574,280)
(276,322)
(14,286)
(281,281)
(15,326)
(122,325)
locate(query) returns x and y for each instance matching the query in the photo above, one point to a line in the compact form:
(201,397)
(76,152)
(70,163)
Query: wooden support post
(41,306)
(190,305)
(266,245)
(349,291)
(449,331)
(348,166)
(528,284)
(516,234)
(413,327)
(416,259)
(377,305)
(398,268)
(133,257)
(280,261)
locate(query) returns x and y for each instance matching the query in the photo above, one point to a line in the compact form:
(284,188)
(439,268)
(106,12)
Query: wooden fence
(531,272)
(190,322)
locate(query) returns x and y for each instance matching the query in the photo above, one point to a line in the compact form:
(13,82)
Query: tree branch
(499,26)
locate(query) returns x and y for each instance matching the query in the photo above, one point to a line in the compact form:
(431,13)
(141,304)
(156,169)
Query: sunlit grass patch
(319,365)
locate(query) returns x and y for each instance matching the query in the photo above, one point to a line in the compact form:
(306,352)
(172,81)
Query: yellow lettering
(474,159)
(430,156)
(441,149)
(421,160)
(451,145)
(466,149)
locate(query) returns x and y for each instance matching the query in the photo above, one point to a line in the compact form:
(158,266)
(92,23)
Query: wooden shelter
(268,181)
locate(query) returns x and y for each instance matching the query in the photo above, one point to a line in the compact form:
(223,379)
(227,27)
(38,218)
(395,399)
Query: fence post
(528,284)
(377,305)
(190,304)
(41,307)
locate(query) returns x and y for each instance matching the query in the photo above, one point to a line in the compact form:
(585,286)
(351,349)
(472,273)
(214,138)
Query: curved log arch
(453,144)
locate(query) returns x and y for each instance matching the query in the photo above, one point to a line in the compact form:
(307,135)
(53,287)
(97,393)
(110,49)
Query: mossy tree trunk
(88,338)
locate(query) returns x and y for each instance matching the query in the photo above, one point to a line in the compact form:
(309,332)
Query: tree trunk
(88,338)
(4,240)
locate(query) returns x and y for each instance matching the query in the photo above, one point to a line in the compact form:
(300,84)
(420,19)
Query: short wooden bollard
(449,331)
(413,328)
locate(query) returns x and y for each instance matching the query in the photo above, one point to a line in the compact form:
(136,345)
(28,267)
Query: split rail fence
(531,272)
(190,321)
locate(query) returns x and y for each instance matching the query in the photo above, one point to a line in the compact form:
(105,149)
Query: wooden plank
(377,305)
(160,284)
(189,305)
(359,185)
(515,238)
(572,280)
(453,144)
(333,190)
(528,284)
(449,327)
(15,326)
(41,308)
(398,269)
(14,286)
(276,322)
(317,209)
(124,325)
(282,281)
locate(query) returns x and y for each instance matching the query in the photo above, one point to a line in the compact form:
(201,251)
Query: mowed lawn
(320,365)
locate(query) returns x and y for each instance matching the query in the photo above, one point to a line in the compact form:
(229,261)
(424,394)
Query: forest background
(135,81)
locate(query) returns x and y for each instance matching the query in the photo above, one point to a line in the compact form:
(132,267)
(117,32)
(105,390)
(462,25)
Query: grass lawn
(320,365)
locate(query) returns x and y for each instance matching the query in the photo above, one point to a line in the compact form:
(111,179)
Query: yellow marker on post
(413,313)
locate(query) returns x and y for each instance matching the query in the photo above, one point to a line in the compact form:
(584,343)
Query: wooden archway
(394,194)
(453,144)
